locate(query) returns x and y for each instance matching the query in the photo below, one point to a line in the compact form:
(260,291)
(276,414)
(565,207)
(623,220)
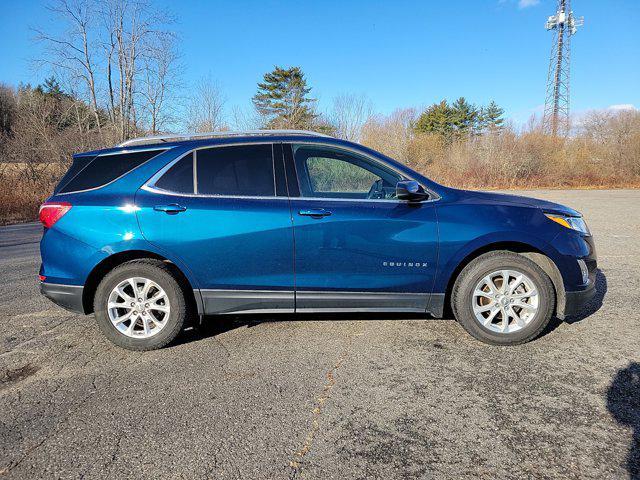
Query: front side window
(243,170)
(327,172)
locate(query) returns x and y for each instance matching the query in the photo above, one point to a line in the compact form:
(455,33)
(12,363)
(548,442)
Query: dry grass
(23,188)
(604,154)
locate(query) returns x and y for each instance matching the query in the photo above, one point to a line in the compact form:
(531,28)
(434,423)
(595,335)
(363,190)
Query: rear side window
(245,170)
(179,178)
(106,168)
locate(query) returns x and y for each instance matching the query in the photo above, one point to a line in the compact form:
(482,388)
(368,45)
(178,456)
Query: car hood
(502,198)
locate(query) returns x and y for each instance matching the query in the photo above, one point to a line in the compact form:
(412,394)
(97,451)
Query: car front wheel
(503,298)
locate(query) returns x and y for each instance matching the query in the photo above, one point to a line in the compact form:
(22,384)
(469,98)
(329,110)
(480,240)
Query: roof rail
(202,136)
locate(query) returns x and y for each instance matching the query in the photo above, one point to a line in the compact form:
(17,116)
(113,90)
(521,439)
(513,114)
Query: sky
(399,53)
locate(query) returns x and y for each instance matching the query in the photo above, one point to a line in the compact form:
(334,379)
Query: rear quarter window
(104,169)
(179,178)
(76,167)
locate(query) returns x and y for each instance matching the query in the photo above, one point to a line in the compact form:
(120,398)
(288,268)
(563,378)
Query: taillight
(51,212)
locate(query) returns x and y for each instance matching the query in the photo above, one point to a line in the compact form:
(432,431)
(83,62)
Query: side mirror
(411,191)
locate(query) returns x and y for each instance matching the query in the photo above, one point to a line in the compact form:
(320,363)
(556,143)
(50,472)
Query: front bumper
(68,297)
(577,301)
(578,295)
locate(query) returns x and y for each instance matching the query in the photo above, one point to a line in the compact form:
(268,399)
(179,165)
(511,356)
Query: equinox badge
(405,264)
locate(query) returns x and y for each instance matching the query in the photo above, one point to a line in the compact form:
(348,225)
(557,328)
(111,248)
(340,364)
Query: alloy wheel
(505,301)
(138,307)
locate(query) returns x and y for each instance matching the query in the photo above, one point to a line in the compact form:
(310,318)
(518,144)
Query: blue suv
(161,231)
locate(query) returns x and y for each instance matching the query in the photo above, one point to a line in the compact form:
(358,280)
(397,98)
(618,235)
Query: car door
(223,213)
(357,247)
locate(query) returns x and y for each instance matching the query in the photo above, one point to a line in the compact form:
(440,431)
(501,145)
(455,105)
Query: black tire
(159,273)
(475,271)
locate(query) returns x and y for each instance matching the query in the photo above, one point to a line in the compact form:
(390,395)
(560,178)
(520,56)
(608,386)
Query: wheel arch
(542,259)
(109,263)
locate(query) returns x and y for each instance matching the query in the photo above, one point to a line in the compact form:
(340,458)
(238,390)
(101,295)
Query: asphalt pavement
(330,397)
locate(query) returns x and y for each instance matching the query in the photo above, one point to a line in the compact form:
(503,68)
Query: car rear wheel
(503,298)
(139,305)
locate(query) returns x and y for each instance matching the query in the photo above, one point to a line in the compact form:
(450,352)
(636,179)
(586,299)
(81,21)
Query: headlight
(574,223)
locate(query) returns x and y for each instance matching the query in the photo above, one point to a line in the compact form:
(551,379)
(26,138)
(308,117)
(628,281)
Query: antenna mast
(556,105)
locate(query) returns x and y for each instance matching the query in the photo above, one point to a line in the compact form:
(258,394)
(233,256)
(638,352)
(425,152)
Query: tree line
(283,100)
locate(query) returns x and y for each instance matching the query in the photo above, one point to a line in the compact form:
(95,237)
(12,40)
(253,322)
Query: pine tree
(491,118)
(464,116)
(282,99)
(437,119)
(52,88)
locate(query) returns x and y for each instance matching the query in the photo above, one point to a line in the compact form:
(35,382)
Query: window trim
(123,152)
(150,185)
(288,159)
(194,169)
(433,196)
(279,171)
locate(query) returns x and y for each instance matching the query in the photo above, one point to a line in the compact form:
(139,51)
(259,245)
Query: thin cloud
(521,3)
(622,106)
(527,3)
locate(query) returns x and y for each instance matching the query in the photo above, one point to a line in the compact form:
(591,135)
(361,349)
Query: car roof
(207,135)
(217,138)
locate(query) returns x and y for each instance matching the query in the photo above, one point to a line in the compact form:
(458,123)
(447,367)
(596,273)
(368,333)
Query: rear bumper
(68,297)
(577,301)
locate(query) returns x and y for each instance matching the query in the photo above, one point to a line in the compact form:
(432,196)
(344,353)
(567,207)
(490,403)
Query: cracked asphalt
(327,397)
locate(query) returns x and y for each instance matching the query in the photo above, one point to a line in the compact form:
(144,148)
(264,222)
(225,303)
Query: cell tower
(556,105)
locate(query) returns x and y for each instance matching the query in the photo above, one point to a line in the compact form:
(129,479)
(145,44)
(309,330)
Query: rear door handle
(171,209)
(315,212)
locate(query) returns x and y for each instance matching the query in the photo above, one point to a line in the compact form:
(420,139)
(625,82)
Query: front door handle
(315,212)
(171,209)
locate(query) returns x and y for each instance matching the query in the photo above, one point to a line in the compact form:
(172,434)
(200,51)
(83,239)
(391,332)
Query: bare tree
(349,114)
(245,118)
(8,118)
(123,55)
(73,50)
(8,108)
(391,134)
(124,29)
(158,84)
(140,57)
(205,111)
